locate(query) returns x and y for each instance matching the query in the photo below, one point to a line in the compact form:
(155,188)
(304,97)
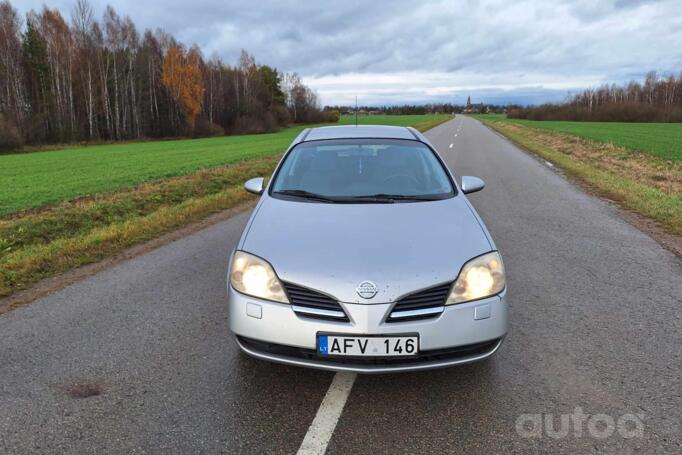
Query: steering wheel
(409,178)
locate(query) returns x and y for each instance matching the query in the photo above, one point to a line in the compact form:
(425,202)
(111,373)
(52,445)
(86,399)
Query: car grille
(424,304)
(312,304)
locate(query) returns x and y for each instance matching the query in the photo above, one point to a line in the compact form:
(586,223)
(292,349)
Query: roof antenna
(356,110)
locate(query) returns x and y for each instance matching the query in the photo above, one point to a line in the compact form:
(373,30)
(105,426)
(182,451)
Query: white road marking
(321,430)
(455,134)
(452,145)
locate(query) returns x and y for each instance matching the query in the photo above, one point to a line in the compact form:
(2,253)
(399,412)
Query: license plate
(343,345)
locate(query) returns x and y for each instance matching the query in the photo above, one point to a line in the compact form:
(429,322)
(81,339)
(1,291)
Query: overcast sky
(392,52)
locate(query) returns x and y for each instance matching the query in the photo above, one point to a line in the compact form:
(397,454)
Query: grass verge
(44,243)
(639,182)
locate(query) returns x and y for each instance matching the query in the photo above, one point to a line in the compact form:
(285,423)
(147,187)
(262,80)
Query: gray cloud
(396,51)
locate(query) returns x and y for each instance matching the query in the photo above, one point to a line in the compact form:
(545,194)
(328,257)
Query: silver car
(364,255)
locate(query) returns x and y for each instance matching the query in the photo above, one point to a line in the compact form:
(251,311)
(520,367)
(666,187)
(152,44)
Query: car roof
(359,131)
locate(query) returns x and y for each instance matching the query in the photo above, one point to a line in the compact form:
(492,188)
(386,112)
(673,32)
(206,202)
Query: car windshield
(362,170)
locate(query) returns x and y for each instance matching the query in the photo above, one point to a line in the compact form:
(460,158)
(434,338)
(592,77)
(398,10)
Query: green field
(663,140)
(30,180)
(421,122)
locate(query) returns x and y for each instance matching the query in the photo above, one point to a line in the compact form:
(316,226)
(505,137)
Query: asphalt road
(595,325)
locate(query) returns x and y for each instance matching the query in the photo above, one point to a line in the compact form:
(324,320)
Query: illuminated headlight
(253,276)
(480,277)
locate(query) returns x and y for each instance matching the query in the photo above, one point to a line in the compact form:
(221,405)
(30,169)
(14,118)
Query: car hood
(401,247)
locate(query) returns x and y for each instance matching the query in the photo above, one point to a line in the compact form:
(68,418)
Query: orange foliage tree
(181,75)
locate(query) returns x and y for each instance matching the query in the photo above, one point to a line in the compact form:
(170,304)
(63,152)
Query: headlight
(253,276)
(480,277)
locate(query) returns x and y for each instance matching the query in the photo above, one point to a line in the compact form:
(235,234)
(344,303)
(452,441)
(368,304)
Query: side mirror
(254,185)
(471,184)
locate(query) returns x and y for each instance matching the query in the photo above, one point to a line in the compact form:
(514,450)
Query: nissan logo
(367,289)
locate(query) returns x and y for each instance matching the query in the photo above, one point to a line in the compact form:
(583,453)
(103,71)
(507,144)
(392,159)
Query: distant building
(479,108)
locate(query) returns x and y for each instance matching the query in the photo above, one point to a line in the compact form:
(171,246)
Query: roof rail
(414,132)
(302,135)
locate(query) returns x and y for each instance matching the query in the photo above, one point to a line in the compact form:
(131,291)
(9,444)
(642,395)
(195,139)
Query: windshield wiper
(368,198)
(398,197)
(306,195)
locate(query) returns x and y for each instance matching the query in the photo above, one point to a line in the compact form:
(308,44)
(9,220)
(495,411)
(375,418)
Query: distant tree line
(85,80)
(418,109)
(405,109)
(657,99)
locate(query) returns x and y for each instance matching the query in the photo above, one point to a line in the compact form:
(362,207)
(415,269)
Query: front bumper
(462,333)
